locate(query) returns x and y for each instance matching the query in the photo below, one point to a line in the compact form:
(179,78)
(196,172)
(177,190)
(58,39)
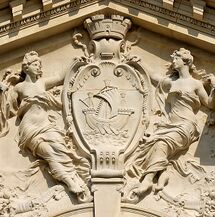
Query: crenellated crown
(99,26)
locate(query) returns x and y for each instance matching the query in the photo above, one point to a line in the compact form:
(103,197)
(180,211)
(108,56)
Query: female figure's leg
(156,161)
(61,165)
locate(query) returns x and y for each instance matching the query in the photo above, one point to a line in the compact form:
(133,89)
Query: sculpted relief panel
(109,135)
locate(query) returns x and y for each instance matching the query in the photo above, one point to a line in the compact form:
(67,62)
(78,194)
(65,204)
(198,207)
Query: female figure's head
(31,65)
(181,58)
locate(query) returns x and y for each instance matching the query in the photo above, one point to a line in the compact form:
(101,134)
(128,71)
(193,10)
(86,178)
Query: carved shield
(109,104)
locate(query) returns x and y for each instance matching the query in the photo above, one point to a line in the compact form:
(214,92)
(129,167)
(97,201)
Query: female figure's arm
(57,79)
(53,81)
(211,99)
(208,101)
(156,78)
(3,87)
(201,92)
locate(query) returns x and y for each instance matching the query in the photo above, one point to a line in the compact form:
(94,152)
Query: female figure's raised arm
(55,80)
(155,77)
(3,87)
(58,78)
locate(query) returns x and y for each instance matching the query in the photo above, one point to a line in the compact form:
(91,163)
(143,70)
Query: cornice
(152,15)
(42,16)
(152,9)
(142,5)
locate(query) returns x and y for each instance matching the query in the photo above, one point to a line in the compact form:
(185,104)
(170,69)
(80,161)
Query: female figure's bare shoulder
(166,83)
(19,88)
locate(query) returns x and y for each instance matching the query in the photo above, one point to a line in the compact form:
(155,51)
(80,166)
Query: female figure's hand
(210,79)
(3,87)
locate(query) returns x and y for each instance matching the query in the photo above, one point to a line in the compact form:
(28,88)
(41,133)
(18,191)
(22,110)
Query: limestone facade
(107,108)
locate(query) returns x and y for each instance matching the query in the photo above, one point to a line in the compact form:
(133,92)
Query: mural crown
(99,26)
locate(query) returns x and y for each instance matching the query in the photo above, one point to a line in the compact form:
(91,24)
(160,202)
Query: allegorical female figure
(179,97)
(38,131)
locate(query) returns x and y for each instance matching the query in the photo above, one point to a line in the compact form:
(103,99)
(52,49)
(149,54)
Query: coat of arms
(107,96)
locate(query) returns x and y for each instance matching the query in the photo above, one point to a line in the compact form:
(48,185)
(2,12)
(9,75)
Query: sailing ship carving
(107,117)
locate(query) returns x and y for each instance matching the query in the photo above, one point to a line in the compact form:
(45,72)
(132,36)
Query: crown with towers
(114,26)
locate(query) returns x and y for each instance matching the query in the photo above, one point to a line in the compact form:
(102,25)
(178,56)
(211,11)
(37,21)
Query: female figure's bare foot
(85,196)
(73,186)
(76,185)
(128,195)
(145,185)
(162,181)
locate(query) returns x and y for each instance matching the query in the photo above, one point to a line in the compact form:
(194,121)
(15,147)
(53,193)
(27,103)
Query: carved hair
(29,58)
(185,55)
(187,59)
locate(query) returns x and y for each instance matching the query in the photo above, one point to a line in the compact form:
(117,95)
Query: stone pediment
(25,21)
(102,110)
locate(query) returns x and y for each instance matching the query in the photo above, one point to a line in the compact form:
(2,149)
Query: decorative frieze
(50,14)
(170,15)
(166,11)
